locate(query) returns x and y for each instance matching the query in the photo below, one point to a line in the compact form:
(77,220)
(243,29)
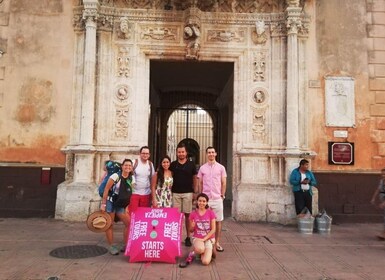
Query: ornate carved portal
(115,41)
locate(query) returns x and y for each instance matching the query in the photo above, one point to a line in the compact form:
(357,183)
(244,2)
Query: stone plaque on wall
(339,99)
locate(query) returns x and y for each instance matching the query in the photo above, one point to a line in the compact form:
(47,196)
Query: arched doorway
(191,102)
(193,126)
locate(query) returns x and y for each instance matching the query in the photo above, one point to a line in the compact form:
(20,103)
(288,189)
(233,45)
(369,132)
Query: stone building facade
(81,82)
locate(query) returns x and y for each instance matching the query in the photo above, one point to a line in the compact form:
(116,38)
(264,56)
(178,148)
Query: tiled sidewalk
(252,251)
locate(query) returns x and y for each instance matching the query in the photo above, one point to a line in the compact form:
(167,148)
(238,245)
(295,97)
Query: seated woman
(202,224)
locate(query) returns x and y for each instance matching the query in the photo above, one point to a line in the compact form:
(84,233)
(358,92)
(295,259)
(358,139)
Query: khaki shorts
(217,207)
(208,243)
(182,201)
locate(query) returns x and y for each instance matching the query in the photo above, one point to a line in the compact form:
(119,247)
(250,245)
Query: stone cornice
(110,14)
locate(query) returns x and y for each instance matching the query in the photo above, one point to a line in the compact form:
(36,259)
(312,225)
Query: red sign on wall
(341,153)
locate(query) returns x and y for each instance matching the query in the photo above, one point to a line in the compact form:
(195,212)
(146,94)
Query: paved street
(252,251)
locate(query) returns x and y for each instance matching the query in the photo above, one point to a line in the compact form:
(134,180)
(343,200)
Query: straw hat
(99,221)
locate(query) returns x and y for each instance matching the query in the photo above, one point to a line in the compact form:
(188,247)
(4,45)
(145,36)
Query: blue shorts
(111,209)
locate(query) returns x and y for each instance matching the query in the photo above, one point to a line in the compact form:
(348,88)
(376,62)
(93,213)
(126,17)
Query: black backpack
(122,192)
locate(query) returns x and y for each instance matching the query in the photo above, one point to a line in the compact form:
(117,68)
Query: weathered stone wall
(347,43)
(36,80)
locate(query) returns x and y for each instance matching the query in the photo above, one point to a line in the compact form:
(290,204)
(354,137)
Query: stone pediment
(227,6)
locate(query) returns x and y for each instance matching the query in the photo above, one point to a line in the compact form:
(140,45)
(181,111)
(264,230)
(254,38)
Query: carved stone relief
(223,35)
(259,66)
(105,22)
(192,33)
(259,34)
(258,109)
(124,29)
(278,29)
(339,99)
(234,6)
(158,33)
(123,62)
(121,112)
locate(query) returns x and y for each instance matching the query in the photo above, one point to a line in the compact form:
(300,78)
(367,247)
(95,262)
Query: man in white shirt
(143,172)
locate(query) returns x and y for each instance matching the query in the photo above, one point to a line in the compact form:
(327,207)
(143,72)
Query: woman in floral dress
(161,184)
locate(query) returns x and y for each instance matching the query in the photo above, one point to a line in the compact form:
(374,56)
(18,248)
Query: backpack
(111,168)
(121,195)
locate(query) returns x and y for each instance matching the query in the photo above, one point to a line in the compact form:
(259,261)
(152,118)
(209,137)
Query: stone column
(292,115)
(77,197)
(84,151)
(293,23)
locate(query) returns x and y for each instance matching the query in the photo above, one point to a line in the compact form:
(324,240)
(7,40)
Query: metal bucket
(306,225)
(323,225)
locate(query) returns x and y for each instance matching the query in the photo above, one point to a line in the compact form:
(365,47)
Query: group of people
(174,184)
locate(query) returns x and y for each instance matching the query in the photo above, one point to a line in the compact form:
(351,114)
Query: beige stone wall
(376,55)
(348,41)
(35,80)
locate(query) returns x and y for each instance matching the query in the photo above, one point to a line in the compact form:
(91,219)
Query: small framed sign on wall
(341,153)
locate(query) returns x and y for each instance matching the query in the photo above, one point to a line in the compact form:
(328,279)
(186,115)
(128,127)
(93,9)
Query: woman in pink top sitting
(202,224)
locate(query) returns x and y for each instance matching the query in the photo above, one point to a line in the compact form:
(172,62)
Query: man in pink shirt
(212,181)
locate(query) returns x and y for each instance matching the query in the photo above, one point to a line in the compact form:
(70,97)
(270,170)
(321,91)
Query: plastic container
(306,225)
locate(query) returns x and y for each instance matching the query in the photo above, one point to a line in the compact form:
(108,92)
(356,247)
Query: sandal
(220,248)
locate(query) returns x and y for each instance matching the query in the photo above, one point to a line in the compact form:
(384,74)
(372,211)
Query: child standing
(380,193)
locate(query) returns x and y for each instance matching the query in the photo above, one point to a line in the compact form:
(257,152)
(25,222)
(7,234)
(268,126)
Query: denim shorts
(111,209)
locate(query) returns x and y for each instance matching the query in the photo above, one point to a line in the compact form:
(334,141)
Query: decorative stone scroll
(159,33)
(259,66)
(123,62)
